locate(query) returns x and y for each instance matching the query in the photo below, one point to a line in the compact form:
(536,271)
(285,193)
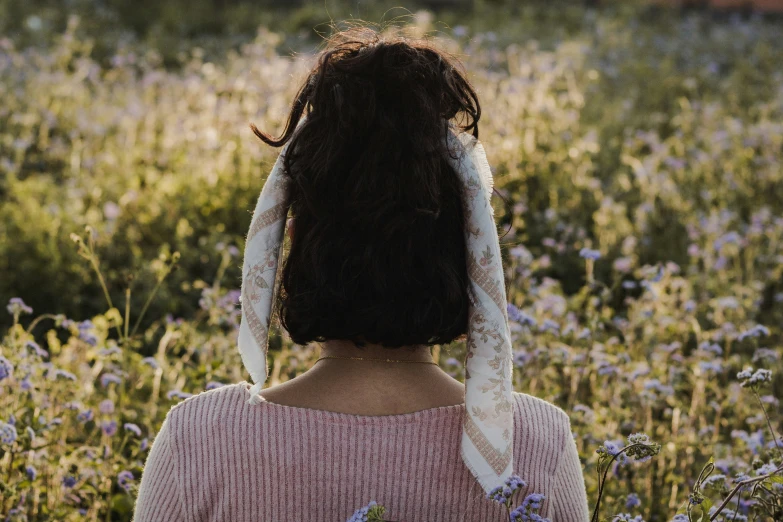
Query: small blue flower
(37,349)
(109,351)
(124,479)
(766,469)
(626,517)
(632,500)
(85,333)
(26,385)
(211,385)
(521,358)
(605,368)
(69,481)
(84,416)
(58,372)
(108,378)
(178,394)
(360,515)
(31,472)
(533,501)
(756,331)
(589,254)
(132,427)
(515,482)
(106,406)
(16,306)
(714,480)
(612,449)
(752,379)
(151,362)
(109,427)
(496,494)
(6,368)
(519,316)
(551,326)
(7,433)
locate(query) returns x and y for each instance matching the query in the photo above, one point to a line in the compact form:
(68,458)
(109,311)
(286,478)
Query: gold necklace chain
(370,359)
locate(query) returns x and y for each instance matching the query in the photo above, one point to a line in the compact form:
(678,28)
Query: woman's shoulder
(530,404)
(538,419)
(208,405)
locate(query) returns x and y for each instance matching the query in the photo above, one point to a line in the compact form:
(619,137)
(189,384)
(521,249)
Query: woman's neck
(341,348)
(366,387)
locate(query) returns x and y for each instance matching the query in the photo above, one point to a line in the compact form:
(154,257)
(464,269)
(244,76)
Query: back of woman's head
(378,247)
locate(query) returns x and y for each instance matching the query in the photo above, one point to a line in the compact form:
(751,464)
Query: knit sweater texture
(217,458)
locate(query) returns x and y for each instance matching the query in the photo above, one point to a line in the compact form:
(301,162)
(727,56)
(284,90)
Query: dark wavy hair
(378,250)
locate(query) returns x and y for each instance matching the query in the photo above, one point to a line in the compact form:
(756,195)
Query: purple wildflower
(151,362)
(756,331)
(106,406)
(716,480)
(85,333)
(17,307)
(605,368)
(6,368)
(31,472)
(533,501)
(211,385)
(109,427)
(124,479)
(521,358)
(109,351)
(58,372)
(626,517)
(84,416)
(550,325)
(178,394)
(132,427)
(37,349)
(361,513)
(589,254)
(69,481)
(7,433)
(753,379)
(108,378)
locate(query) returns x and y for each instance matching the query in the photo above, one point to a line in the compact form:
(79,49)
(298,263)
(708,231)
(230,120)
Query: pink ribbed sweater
(217,458)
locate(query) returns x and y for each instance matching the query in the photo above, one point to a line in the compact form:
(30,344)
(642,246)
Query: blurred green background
(132,117)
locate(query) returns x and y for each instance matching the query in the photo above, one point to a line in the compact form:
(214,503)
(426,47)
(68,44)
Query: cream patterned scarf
(487,438)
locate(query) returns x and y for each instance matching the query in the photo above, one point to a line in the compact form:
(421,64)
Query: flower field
(638,160)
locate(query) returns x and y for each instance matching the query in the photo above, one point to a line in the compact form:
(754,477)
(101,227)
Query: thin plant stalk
(602,480)
(171,266)
(740,485)
(127,310)
(769,423)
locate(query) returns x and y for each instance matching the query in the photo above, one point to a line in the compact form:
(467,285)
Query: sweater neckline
(420,415)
